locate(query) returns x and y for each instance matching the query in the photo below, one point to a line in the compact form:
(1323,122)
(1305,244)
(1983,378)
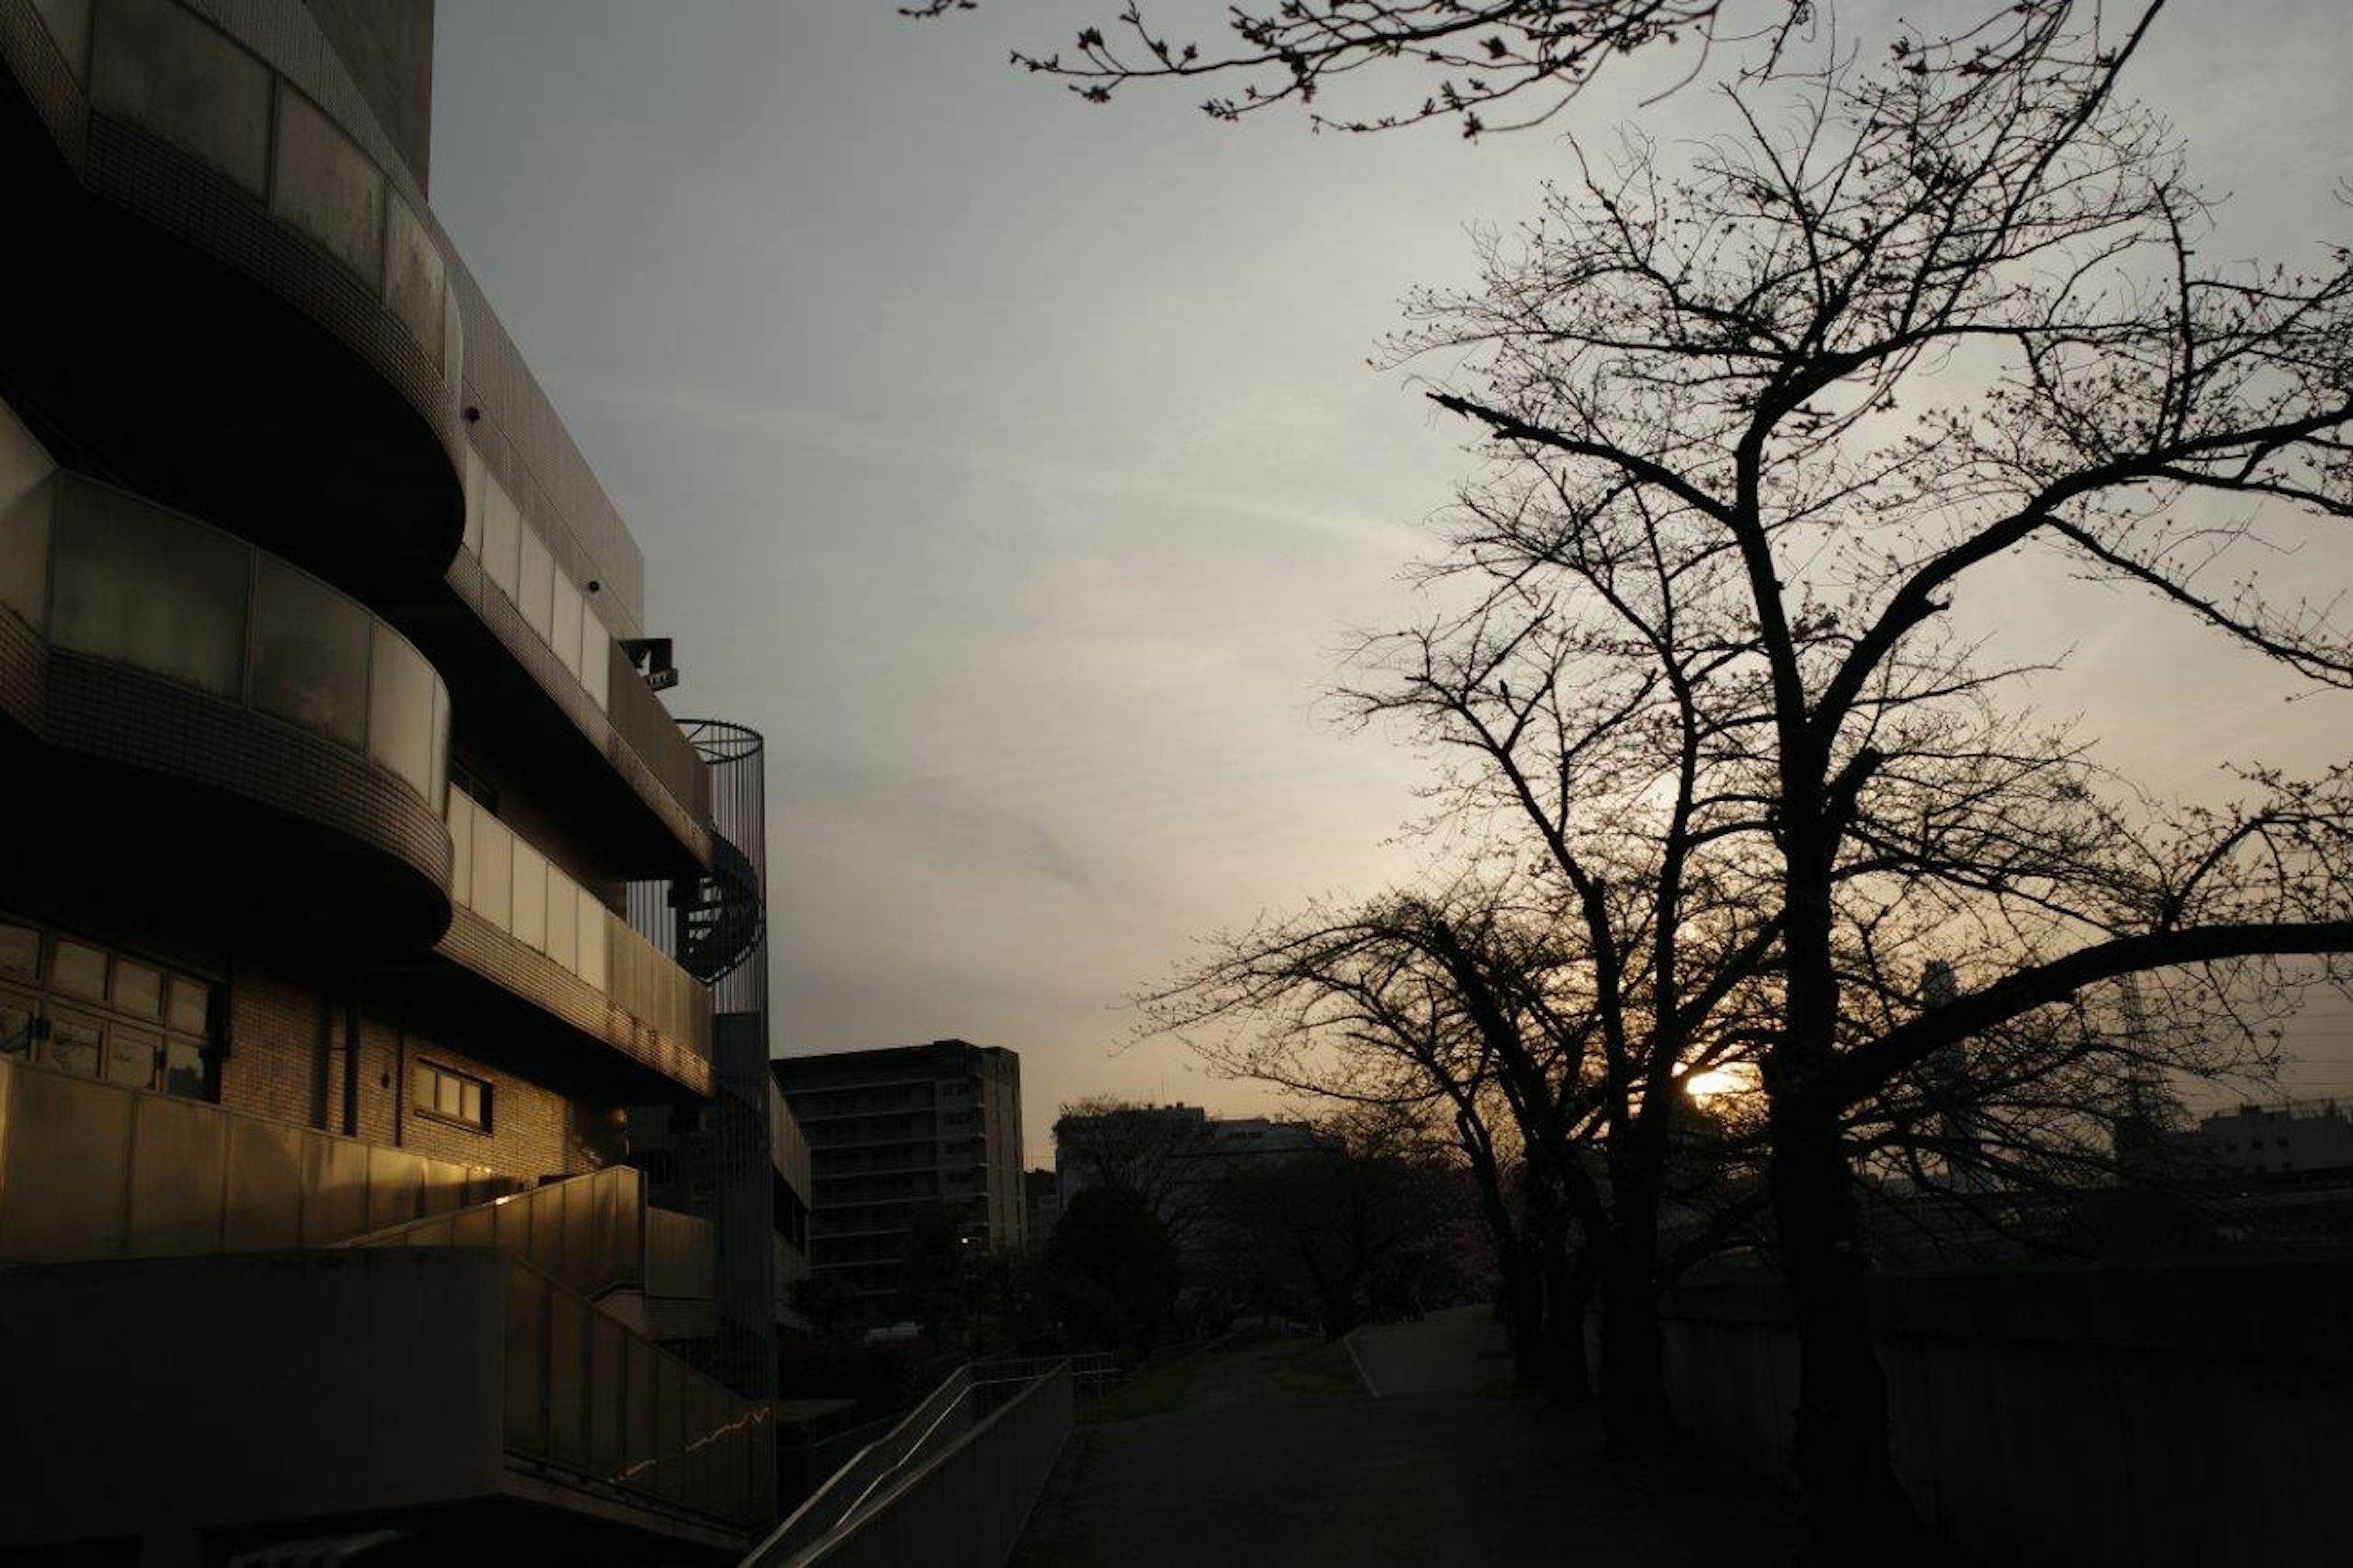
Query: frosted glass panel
(191,1005)
(26,497)
(412,278)
(20,952)
(530,925)
(400,712)
(326,184)
(595,655)
(566,622)
(594,921)
(563,918)
(68,24)
(309,652)
(150,589)
(453,339)
(74,1043)
(501,533)
(494,870)
(438,759)
(476,477)
(79,970)
(536,597)
(138,989)
(156,64)
(461,849)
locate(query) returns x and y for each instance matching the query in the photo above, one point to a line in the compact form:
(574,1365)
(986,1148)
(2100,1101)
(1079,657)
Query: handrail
(586,1395)
(964,1504)
(118,577)
(1094,1374)
(587,1232)
(510,882)
(824,1512)
(133,1155)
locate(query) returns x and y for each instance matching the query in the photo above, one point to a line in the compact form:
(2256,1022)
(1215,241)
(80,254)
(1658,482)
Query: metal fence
(1094,1374)
(966,1504)
(89,1169)
(591,1233)
(586,1395)
(942,1415)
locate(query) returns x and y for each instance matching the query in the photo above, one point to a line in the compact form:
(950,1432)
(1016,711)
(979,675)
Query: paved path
(1280,1457)
(1460,1351)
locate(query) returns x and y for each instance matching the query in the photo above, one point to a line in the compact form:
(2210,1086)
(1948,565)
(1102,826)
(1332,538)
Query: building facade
(1042,1209)
(1170,1154)
(898,1137)
(364,897)
(2294,1139)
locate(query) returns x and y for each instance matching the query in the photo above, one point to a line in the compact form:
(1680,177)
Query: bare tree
(1154,1152)
(1351,1219)
(1501,1019)
(1696,380)
(1525,60)
(1347,1008)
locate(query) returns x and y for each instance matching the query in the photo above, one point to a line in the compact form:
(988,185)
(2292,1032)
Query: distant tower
(2150,1111)
(1965,1168)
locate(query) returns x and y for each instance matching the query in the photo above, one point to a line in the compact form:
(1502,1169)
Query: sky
(1016,467)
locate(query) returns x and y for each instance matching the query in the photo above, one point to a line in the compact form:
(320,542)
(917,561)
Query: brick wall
(278,1039)
(532,1130)
(285,1061)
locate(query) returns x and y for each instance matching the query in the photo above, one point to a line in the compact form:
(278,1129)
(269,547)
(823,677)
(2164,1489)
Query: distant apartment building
(362,894)
(897,1136)
(1042,1200)
(1172,1156)
(2295,1138)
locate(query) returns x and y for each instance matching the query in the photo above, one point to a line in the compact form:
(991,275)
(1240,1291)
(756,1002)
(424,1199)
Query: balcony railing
(166,71)
(501,878)
(592,1233)
(99,571)
(483,1376)
(91,1170)
(158,65)
(588,1395)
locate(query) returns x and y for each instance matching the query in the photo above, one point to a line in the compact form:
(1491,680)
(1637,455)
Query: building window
(110,1029)
(447,1096)
(77,971)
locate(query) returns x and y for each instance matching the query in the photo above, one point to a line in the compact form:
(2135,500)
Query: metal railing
(108,573)
(93,1170)
(1094,1374)
(593,1234)
(586,1395)
(501,877)
(961,1502)
(832,1504)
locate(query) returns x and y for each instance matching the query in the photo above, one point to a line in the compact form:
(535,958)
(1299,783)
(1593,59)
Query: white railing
(501,877)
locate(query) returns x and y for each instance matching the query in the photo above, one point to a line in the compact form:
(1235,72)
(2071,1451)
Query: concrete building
(1042,1204)
(362,897)
(1173,1156)
(895,1133)
(2295,1138)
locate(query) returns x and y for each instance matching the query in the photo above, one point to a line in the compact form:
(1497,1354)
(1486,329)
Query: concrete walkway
(1280,1457)
(1460,1351)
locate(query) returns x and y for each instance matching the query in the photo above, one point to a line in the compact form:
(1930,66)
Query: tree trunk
(1855,1506)
(1567,1286)
(1523,1311)
(1635,1411)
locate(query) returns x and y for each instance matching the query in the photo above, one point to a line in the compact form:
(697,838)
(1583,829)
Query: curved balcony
(140,644)
(279,286)
(525,925)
